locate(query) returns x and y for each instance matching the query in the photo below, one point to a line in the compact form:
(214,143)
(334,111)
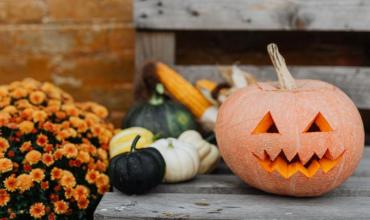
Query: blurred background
(87,48)
(84,46)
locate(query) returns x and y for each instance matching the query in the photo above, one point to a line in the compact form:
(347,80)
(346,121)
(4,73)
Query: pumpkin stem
(134,143)
(286,80)
(157,97)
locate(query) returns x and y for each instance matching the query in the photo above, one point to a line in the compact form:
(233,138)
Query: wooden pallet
(158,22)
(225,196)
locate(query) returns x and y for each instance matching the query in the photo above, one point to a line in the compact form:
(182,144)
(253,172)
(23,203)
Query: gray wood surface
(227,197)
(226,206)
(230,184)
(153,46)
(355,81)
(325,15)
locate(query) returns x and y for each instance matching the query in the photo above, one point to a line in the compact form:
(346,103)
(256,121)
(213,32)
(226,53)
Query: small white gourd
(182,160)
(208,153)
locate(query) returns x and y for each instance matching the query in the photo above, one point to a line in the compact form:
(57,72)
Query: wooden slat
(355,81)
(223,206)
(363,169)
(152,46)
(327,15)
(230,184)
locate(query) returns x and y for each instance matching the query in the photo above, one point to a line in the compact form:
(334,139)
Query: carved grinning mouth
(288,168)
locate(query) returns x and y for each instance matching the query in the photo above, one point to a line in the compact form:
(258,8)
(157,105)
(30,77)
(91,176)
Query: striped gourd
(182,90)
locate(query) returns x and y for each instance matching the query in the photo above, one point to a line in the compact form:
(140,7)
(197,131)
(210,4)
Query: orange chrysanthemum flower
(68,193)
(24,182)
(60,207)
(37,175)
(56,173)
(26,146)
(37,97)
(4,117)
(33,157)
(78,123)
(103,189)
(47,159)
(37,210)
(6,165)
(27,114)
(19,93)
(83,203)
(42,140)
(102,180)
(70,109)
(4,101)
(67,180)
(4,197)
(91,176)
(70,150)
(39,116)
(26,127)
(83,157)
(58,154)
(101,166)
(102,154)
(89,148)
(48,126)
(44,185)
(100,111)
(10,109)
(80,192)
(48,148)
(4,144)
(10,183)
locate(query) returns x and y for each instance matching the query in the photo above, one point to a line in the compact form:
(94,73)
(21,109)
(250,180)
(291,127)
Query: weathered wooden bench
(158,22)
(223,195)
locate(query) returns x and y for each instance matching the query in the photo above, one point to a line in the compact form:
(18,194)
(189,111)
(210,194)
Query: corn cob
(182,90)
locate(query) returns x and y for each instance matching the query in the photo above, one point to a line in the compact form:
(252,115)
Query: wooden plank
(363,169)
(230,184)
(224,206)
(152,46)
(328,15)
(355,81)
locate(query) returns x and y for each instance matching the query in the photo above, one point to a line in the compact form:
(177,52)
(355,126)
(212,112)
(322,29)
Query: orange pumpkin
(294,137)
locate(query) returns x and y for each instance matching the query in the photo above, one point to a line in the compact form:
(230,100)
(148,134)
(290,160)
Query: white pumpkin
(208,153)
(182,160)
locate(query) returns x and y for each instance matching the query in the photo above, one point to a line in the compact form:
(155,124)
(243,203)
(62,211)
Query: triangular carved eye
(266,125)
(318,124)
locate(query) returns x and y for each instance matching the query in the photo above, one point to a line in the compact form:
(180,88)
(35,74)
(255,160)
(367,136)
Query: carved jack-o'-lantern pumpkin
(298,138)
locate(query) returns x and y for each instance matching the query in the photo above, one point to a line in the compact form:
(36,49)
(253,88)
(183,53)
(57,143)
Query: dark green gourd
(137,171)
(164,117)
